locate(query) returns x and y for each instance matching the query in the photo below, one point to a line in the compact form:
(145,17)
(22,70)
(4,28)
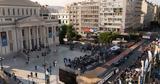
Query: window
(22,32)
(22,11)
(8,19)
(3,11)
(59,21)
(13,11)
(18,12)
(26,11)
(8,11)
(34,11)
(31,31)
(31,11)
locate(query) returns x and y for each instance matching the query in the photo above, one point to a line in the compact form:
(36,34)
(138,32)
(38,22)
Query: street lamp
(1,59)
(45,71)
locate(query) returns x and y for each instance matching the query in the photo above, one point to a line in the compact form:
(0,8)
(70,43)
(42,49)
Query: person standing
(35,67)
(54,64)
(31,74)
(36,74)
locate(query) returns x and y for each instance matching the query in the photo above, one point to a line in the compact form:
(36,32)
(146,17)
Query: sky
(64,2)
(55,2)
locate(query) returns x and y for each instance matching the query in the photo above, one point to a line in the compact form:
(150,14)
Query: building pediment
(30,21)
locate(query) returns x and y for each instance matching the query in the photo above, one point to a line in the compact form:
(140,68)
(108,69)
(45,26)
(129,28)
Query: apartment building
(114,15)
(63,17)
(119,15)
(84,16)
(149,11)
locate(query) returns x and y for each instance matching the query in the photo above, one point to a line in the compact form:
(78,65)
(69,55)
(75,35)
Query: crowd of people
(13,77)
(96,54)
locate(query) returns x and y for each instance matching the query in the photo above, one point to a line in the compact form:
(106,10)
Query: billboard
(50,32)
(4,39)
(68,77)
(87,29)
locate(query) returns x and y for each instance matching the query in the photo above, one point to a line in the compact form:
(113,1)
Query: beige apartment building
(111,15)
(85,16)
(119,15)
(149,13)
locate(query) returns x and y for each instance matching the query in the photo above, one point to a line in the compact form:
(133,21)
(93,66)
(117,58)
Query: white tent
(115,48)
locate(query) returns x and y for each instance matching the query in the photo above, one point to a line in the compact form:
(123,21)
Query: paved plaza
(22,70)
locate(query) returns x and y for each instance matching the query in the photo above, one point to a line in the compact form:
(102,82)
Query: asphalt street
(133,56)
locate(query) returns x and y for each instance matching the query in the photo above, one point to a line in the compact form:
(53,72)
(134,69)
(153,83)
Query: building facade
(63,17)
(23,27)
(119,15)
(149,11)
(111,15)
(84,16)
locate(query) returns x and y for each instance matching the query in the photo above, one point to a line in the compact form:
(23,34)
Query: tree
(104,37)
(62,34)
(107,37)
(113,36)
(70,33)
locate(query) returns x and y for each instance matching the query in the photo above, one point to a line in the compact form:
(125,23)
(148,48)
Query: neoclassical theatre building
(23,25)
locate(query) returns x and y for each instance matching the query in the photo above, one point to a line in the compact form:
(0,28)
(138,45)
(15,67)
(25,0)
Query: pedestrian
(33,82)
(27,62)
(36,74)
(50,67)
(35,67)
(15,78)
(28,76)
(54,64)
(37,56)
(31,74)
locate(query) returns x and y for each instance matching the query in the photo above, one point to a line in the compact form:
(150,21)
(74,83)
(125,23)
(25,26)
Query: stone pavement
(22,70)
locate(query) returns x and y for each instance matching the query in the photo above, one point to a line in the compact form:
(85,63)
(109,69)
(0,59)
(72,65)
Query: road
(130,61)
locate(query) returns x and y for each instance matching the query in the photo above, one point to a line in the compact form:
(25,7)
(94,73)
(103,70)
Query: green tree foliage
(107,37)
(69,32)
(62,33)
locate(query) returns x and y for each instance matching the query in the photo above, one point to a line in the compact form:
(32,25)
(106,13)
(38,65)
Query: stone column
(34,35)
(44,36)
(29,35)
(53,36)
(26,37)
(37,33)
(21,38)
(41,34)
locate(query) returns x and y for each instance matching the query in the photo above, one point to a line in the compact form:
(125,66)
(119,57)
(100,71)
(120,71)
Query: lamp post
(45,71)
(1,59)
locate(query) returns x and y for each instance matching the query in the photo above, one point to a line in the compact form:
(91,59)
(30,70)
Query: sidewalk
(22,70)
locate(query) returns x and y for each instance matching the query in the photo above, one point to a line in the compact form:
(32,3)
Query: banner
(146,65)
(4,39)
(150,56)
(142,68)
(50,32)
(88,29)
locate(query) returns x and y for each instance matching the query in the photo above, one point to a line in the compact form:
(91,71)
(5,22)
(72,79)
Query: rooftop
(27,3)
